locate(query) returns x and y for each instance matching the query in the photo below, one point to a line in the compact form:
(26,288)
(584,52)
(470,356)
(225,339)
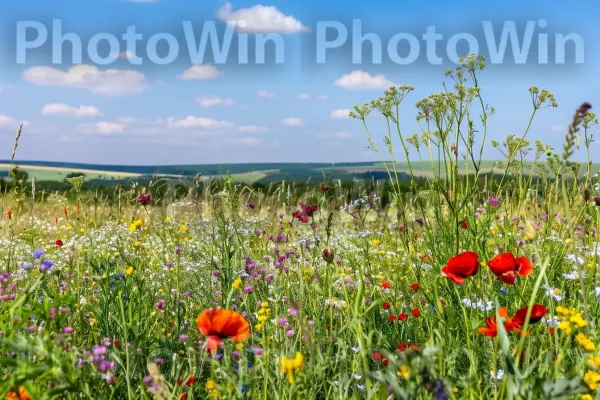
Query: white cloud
(198,122)
(340,113)
(110,82)
(64,109)
(263,94)
(103,127)
(245,142)
(260,19)
(7,122)
(292,121)
(214,101)
(253,129)
(306,96)
(359,79)
(200,72)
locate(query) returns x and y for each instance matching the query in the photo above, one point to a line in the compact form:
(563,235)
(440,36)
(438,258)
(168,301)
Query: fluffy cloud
(103,128)
(200,72)
(64,109)
(253,129)
(110,82)
(340,113)
(292,122)
(245,142)
(306,96)
(214,101)
(198,122)
(359,80)
(260,19)
(7,122)
(263,94)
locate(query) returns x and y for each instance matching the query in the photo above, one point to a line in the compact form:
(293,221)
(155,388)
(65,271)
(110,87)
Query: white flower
(553,292)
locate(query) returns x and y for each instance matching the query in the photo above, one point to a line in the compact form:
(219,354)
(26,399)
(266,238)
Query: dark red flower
(464,224)
(401,346)
(392,318)
(386,362)
(538,312)
(59,243)
(505,265)
(414,286)
(386,305)
(415,312)
(402,317)
(377,356)
(328,255)
(324,187)
(461,266)
(551,331)
(9,214)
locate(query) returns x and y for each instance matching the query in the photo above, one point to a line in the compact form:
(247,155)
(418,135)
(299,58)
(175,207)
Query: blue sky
(122,113)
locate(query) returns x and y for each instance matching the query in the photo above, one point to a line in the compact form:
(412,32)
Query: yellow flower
(454,390)
(137,244)
(211,384)
(404,371)
(129,271)
(168,219)
(183,228)
(593,361)
(569,241)
(586,397)
(375,242)
(239,346)
(584,342)
(578,320)
(565,326)
(237,283)
(289,365)
(592,378)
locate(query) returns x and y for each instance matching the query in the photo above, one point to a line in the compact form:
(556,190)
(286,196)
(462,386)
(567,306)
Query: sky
(106,105)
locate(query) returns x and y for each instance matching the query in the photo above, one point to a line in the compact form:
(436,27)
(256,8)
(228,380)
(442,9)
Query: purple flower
(282,321)
(493,202)
(38,253)
(257,351)
(68,330)
(105,366)
(46,265)
(160,304)
(144,199)
(290,333)
(251,205)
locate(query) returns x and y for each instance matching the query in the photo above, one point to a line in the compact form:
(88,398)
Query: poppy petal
(502,263)
(524,266)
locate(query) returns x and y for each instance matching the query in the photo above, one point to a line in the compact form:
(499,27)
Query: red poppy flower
(385,284)
(505,265)
(219,324)
(9,214)
(401,346)
(377,356)
(402,317)
(491,327)
(537,313)
(386,305)
(59,243)
(21,394)
(551,331)
(414,286)
(386,362)
(415,313)
(464,224)
(459,267)
(392,318)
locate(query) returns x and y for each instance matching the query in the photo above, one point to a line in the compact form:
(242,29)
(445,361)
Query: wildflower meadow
(465,283)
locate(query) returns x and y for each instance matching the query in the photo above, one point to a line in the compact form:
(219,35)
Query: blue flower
(46,265)
(25,265)
(504,290)
(38,253)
